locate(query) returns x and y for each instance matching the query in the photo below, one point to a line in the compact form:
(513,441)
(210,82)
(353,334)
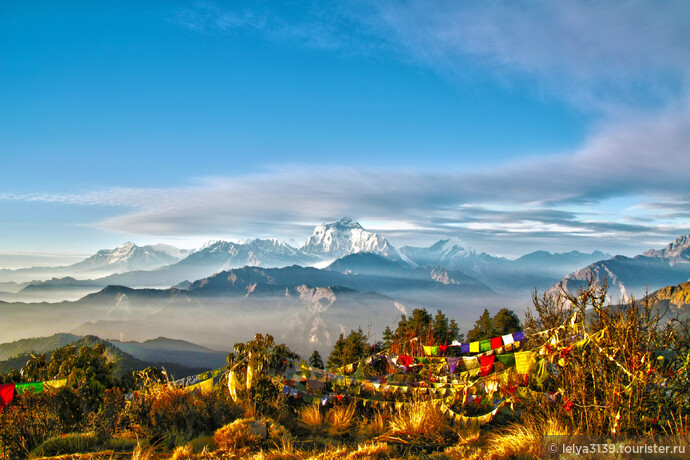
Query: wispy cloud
(543,198)
(592,53)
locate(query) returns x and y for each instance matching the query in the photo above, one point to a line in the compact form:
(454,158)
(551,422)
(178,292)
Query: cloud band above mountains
(644,164)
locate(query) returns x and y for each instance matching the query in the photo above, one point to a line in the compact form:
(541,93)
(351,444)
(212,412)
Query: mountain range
(329,242)
(225,291)
(634,276)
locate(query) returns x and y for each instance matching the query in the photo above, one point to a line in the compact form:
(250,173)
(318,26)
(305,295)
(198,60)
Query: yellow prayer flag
(54,384)
(523,361)
(474,347)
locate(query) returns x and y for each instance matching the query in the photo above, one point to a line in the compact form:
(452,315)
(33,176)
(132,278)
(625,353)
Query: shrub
(65,444)
(174,416)
(613,383)
(27,422)
(240,435)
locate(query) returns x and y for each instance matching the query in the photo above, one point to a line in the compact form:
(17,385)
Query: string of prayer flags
(6,395)
(204,386)
(487,364)
(474,347)
(485,345)
(496,342)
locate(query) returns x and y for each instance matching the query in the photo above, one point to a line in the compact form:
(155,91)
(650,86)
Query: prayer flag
(405,360)
(36,387)
(55,384)
(443,347)
(496,342)
(471,362)
(485,345)
(6,395)
(487,363)
(427,350)
(507,359)
(523,361)
(452,364)
(456,344)
(519,336)
(508,339)
(474,347)
(465,348)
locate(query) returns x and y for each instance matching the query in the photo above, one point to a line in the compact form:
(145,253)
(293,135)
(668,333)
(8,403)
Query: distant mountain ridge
(177,356)
(124,258)
(632,277)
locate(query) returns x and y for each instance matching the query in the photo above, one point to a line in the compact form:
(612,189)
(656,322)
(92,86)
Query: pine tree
(348,349)
(388,337)
(315,360)
(440,328)
(483,328)
(506,321)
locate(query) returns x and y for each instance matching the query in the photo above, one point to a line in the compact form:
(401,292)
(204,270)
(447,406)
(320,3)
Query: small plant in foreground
(339,419)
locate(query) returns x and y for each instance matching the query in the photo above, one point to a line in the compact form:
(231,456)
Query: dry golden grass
(237,436)
(523,439)
(143,453)
(310,416)
(419,420)
(339,419)
(377,450)
(374,426)
(183,453)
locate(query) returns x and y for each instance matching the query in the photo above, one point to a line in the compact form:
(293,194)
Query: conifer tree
(315,360)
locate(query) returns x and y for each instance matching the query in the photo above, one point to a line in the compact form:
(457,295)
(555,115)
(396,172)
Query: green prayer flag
(507,359)
(485,345)
(35,387)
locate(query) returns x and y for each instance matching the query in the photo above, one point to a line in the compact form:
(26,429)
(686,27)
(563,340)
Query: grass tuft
(311,417)
(419,421)
(339,419)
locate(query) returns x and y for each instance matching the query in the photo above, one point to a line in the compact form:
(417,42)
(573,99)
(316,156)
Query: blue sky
(513,126)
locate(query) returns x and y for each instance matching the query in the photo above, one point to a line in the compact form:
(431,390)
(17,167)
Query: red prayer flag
(443,347)
(487,364)
(496,342)
(405,360)
(6,395)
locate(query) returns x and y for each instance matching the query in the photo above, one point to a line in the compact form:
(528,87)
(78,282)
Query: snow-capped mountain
(345,236)
(450,253)
(127,257)
(270,253)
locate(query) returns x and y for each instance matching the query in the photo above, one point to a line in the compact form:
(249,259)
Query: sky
(512,126)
